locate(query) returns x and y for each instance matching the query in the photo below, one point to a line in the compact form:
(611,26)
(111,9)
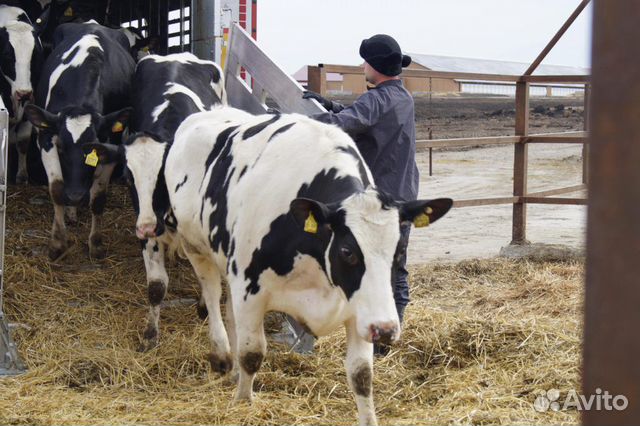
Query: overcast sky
(304,32)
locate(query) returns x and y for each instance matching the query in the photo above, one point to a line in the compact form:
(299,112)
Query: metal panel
(280,86)
(612,304)
(10,363)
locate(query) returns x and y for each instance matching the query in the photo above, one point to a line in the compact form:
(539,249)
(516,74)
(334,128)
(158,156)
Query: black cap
(383,53)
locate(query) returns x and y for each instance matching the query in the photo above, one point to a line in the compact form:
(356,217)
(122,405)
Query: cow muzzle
(146,230)
(384,333)
(23,96)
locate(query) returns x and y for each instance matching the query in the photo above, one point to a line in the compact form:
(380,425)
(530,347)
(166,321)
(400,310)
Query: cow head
(70,131)
(144,155)
(362,241)
(20,53)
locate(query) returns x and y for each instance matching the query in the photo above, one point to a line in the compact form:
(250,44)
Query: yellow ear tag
(117,127)
(310,225)
(91,159)
(68,12)
(421,220)
(43,124)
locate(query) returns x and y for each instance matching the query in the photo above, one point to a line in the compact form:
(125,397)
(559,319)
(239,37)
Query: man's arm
(357,118)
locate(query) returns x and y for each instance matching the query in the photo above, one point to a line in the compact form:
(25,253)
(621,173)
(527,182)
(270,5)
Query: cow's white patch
(144,159)
(159,110)
(77,126)
(83,45)
(51,162)
(172,89)
(22,40)
(183,58)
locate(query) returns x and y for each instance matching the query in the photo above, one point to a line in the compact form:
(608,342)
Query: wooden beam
(558,191)
(555,200)
(554,139)
(464,142)
(612,297)
(485,201)
(354,69)
(556,37)
(520,163)
(566,79)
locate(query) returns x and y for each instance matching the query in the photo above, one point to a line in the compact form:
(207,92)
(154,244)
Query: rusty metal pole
(520,163)
(612,305)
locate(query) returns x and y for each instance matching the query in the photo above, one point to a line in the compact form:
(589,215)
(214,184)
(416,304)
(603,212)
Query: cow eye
(348,256)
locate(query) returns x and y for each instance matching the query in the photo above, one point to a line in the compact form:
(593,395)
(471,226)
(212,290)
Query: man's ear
(41,118)
(115,122)
(309,214)
(424,212)
(106,153)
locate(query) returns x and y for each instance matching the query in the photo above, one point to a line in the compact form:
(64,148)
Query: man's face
(369,73)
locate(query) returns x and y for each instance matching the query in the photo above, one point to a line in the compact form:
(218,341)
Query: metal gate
(10,363)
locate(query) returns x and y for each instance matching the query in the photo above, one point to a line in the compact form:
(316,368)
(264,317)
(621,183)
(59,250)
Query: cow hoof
(22,179)
(202,311)
(241,397)
(150,339)
(55,251)
(219,364)
(97,252)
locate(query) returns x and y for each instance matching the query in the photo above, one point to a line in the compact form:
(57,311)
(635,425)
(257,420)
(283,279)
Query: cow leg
(23,137)
(211,283)
(58,243)
(157,281)
(98,200)
(359,365)
(251,341)
(71,213)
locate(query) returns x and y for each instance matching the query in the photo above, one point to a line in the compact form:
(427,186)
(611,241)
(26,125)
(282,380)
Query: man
(382,123)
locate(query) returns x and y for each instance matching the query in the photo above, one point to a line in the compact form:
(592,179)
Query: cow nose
(145,231)
(384,333)
(75,197)
(24,95)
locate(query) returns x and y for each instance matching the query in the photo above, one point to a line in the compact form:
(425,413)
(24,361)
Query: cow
(83,96)
(167,89)
(20,63)
(285,209)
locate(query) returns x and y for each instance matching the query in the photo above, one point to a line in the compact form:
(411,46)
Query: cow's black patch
(157,290)
(71,55)
(254,130)
(234,267)
(179,185)
(361,166)
(155,248)
(361,380)
(98,203)
(280,131)
(346,257)
(286,240)
(217,188)
(251,362)
(242,172)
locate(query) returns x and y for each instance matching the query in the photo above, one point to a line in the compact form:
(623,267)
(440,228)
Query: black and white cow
(82,97)
(167,89)
(20,63)
(286,210)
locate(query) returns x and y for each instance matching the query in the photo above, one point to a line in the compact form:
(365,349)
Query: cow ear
(106,153)
(41,118)
(116,121)
(421,213)
(309,214)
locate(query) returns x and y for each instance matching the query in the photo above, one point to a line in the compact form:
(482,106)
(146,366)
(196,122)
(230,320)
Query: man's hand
(326,103)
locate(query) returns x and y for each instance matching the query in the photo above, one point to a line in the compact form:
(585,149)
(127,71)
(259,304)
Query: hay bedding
(481,338)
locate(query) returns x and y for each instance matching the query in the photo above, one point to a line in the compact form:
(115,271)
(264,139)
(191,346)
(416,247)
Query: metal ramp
(10,363)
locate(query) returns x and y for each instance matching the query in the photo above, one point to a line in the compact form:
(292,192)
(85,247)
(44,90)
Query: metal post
(519,230)
(612,297)
(182,43)
(430,153)
(202,17)
(10,363)
(585,147)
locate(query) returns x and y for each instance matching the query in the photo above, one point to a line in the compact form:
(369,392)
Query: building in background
(355,83)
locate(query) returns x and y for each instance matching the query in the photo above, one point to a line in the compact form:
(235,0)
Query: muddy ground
(488,172)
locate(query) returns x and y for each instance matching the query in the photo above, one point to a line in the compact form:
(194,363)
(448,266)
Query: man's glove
(326,103)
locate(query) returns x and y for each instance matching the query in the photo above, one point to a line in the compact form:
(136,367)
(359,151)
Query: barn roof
(490,66)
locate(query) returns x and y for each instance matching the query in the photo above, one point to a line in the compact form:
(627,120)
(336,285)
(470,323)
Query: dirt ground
(488,172)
